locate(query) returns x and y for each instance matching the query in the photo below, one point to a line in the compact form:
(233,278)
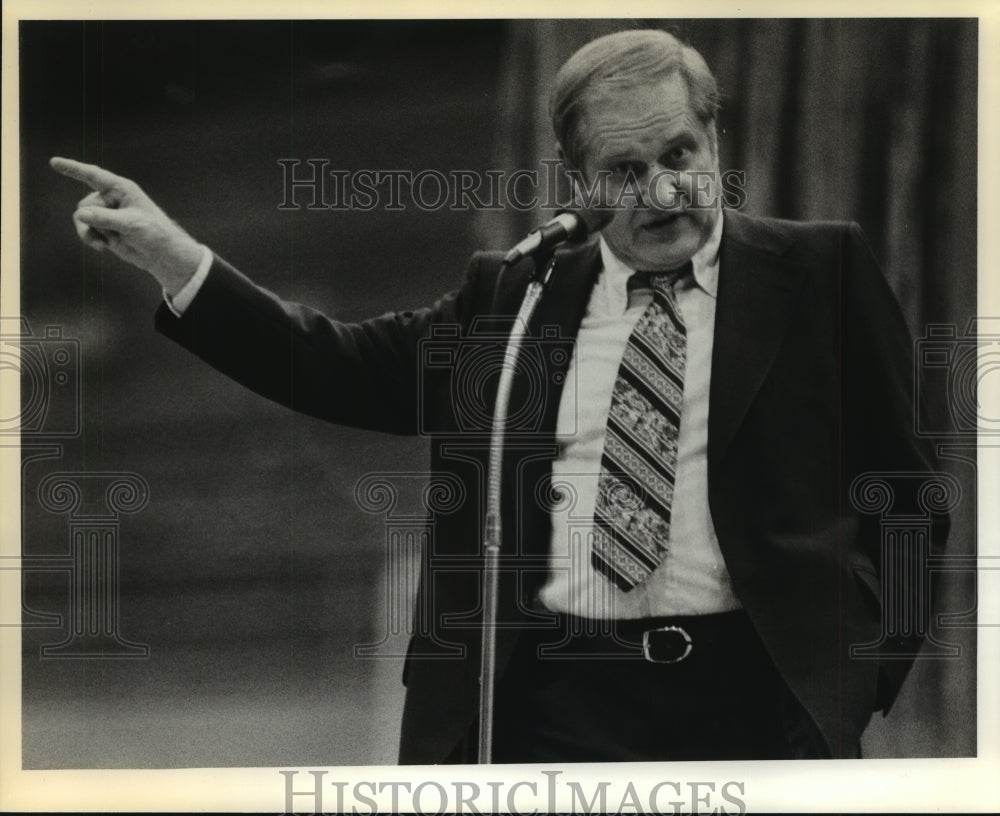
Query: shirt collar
(705,263)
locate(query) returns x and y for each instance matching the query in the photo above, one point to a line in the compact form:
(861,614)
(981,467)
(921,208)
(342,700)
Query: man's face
(651,135)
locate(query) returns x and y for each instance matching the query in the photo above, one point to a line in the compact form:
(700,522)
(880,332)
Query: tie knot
(662,280)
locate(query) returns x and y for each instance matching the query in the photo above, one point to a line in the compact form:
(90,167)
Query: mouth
(664,221)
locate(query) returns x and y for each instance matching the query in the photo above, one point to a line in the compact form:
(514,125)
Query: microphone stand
(492,532)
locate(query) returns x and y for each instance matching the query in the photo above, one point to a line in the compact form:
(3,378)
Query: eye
(625,168)
(677,155)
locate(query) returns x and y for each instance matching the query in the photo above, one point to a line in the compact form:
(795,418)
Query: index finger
(98,178)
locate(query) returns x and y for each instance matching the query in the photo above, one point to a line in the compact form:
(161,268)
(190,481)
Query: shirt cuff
(179,302)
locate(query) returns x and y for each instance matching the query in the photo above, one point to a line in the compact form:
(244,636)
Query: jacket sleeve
(364,374)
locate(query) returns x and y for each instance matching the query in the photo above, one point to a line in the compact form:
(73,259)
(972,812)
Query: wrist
(179,302)
(183,262)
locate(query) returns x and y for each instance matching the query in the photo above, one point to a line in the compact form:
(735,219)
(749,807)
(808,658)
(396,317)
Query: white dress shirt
(692,579)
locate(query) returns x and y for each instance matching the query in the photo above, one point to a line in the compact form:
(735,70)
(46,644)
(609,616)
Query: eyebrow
(687,136)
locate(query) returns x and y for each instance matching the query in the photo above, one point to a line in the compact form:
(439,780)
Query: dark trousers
(574,696)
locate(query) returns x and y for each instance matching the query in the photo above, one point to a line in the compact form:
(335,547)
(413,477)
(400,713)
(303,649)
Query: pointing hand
(119,216)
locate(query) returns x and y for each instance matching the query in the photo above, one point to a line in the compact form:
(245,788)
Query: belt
(657,639)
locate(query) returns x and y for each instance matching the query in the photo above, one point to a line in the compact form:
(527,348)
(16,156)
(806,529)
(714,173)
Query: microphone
(567,226)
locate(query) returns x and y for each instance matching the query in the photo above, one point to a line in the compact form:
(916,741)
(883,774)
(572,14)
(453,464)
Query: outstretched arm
(360,374)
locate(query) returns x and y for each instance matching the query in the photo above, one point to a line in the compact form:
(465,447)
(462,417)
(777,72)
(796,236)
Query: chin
(678,253)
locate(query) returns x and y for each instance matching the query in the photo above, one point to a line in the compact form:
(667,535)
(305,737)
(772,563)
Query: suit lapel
(755,300)
(559,316)
(553,328)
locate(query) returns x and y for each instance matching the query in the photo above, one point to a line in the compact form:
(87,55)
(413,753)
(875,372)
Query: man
(682,571)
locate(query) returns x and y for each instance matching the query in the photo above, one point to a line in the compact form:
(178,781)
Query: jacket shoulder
(803,240)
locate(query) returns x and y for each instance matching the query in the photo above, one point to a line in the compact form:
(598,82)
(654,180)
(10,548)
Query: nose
(665,191)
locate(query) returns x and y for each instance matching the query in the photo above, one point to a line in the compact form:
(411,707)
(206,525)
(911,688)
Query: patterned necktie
(635,488)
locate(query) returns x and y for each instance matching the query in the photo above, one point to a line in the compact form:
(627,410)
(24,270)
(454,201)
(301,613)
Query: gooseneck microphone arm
(493,530)
(566,226)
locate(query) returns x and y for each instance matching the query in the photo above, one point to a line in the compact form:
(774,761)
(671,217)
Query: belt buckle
(673,638)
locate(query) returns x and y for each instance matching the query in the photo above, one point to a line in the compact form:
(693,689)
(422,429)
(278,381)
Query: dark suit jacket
(811,386)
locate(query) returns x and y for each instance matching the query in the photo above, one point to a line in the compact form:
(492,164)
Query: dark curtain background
(253,572)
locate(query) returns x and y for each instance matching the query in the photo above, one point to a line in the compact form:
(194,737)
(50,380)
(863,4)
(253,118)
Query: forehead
(643,116)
